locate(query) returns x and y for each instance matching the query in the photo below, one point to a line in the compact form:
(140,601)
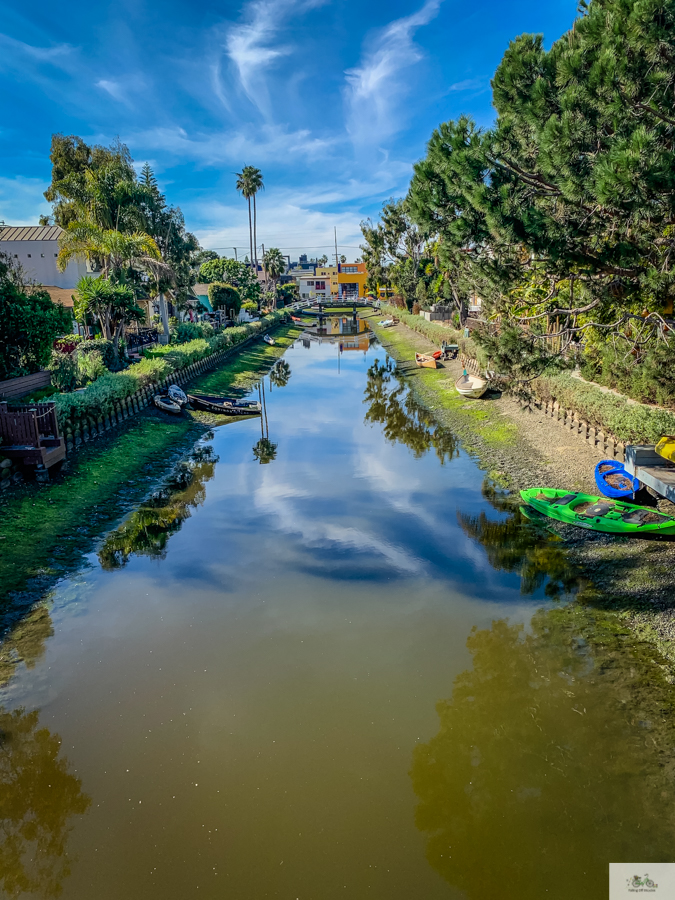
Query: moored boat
(225,406)
(666,447)
(596,514)
(472,386)
(172,402)
(613,480)
(425,361)
(268,339)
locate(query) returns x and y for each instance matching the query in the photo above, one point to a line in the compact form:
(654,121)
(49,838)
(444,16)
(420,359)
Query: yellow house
(352,279)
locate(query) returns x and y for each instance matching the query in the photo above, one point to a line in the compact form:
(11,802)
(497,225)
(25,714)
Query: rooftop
(31,233)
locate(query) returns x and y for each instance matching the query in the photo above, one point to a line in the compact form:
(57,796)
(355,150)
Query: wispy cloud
(58,54)
(375,88)
(469,84)
(264,143)
(251,47)
(114,88)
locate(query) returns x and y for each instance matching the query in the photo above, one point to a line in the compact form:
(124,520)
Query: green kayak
(598,513)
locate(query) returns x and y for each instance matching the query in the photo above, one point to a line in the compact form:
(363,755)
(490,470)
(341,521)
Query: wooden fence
(607,444)
(14,388)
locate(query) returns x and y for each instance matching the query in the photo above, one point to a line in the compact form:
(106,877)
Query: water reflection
(38,798)
(543,770)
(404,420)
(280,374)
(25,642)
(147,531)
(265,450)
(516,544)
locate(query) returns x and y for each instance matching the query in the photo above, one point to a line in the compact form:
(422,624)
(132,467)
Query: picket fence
(607,444)
(84,428)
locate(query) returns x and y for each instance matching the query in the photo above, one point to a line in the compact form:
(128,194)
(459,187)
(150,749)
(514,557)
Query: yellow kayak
(666,447)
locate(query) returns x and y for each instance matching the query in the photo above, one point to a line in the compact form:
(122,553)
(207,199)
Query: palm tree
(112,249)
(249,182)
(274,265)
(245,188)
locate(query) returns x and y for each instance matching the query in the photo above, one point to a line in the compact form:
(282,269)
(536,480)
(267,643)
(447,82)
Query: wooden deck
(31,435)
(643,462)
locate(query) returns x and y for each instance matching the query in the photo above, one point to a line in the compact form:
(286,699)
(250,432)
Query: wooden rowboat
(472,386)
(426,362)
(225,406)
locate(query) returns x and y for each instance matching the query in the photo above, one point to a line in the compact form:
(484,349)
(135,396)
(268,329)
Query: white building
(36,247)
(313,288)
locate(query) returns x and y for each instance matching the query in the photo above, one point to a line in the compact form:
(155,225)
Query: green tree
(29,323)
(565,209)
(113,305)
(274,265)
(224,296)
(230,271)
(393,250)
(249,182)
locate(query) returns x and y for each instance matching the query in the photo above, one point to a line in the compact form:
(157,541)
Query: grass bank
(46,530)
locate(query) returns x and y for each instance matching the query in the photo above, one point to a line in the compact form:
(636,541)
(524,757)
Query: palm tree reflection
(265,450)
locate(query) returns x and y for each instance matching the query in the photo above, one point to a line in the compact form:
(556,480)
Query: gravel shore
(522,449)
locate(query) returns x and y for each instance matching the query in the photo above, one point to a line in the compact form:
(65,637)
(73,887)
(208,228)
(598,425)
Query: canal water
(329,659)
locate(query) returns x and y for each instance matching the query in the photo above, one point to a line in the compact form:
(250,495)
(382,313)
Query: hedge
(628,421)
(437,333)
(99,398)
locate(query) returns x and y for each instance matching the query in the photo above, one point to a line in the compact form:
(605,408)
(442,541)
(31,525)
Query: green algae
(45,530)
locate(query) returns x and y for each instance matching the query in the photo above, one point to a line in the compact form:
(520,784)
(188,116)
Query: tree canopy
(29,323)
(232,272)
(561,216)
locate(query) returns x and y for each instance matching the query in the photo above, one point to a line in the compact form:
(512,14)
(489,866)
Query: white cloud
(469,84)
(114,88)
(59,54)
(266,142)
(374,88)
(21,200)
(250,46)
(290,225)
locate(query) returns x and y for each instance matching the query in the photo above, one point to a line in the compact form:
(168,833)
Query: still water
(328,660)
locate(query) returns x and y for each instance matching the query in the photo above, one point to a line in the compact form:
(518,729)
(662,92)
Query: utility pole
(337,264)
(235,254)
(336,253)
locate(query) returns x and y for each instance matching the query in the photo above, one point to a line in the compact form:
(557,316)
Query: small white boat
(472,386)
(166,404)
(268,339)
(386,323)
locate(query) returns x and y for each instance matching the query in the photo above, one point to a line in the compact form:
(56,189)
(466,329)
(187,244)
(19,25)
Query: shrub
(250,306)
(99,398)
(190,331)
(438,333)
(627,420)
(68,343)
(105,349)
(224,296)
(89,367)
(63,370)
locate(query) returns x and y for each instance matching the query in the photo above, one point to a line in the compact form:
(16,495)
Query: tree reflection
(553,758)
(516,544)
(38,797)
(404,420)
(147,531)
(25,642)
(280,374)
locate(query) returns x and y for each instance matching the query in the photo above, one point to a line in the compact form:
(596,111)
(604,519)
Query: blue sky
(334,101)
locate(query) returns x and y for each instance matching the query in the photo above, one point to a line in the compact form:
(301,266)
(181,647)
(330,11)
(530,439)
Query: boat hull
(268,339)
(425,362)
(614,468)
(471,386)
(225,406)
(613,517)
(167,405)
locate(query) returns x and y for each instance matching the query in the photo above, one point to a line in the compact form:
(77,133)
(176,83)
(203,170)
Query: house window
(321,285)
(310,284)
